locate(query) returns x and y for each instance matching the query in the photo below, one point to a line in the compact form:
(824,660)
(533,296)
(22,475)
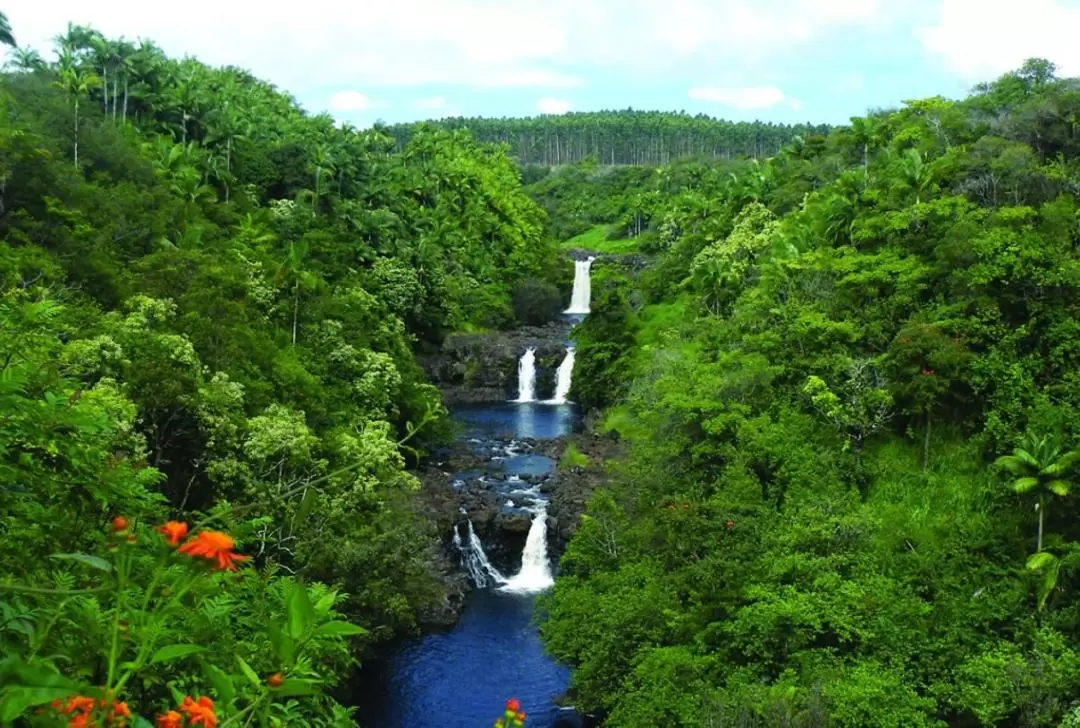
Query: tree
(1042,467)
(292,271)
(76,81)
(27,60)
(6,36)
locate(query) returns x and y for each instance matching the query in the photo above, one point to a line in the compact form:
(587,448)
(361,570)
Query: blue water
(510,420)
(462,678)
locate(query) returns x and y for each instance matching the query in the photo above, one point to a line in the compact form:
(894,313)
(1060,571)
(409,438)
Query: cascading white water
(535,573)
(476,561)
(563,378)
(582,293)
(527,376)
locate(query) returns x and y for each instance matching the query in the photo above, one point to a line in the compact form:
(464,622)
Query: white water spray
(476,561)
(582,293)
(535,574)
(527,376)
(563,378)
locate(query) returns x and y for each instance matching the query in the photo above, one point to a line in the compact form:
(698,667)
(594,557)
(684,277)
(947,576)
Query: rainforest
(622,419)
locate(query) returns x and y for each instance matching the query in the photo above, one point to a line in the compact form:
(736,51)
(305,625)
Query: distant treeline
(623,137)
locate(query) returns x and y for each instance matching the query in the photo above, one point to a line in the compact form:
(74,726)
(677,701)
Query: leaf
(305,506)
(94,562)
(1037,562)
(293,686)
(169,653)
(1023,485)
(222,683)
(17,699)
(249,673)
(300,611)
(1058,487)
(283,644)
(1049,582)
(139,722)
(338,629)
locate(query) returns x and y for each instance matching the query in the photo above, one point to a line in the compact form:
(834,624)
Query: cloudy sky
(778,60)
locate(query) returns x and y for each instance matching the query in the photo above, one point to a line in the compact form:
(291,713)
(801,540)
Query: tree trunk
(1038,545)
(76,132)
(105,87)
(926,444)
(296,309)
(115,93)
(124,117)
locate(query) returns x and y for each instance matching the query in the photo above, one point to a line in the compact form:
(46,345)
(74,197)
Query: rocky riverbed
(493,482)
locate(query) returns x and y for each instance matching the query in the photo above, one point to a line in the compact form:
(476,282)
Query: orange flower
(513,705)
(75,703)
(213,545)
(119,711)
(174,531)
(172,719)
(276,680)
(119,523)
(201,712)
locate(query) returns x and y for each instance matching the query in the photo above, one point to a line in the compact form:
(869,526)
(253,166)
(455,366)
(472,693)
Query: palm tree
(27,60)
(1041,466)
(76,81)
(293,267)
(6,36)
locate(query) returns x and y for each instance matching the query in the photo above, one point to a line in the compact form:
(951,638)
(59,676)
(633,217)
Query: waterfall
(476,561)
(563,378)
(579,299)
(535,574)
(527,376)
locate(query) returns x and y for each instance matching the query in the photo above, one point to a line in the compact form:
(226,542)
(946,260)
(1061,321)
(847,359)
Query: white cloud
(981,39)
(435,103)
(548,105)
(355,101)
(475,43)
(748,97)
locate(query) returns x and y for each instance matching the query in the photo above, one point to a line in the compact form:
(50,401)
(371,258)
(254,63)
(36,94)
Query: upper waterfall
(582,293)
(527,376)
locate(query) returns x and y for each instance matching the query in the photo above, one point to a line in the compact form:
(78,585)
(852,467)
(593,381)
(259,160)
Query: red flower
(172,719)
(175,532)
(276,680)
(201,712)
(119,524)
(513,705)
(214,546)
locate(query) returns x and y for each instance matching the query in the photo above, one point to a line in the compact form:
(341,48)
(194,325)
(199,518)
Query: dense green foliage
(209,304)
(813,381)
(621,137)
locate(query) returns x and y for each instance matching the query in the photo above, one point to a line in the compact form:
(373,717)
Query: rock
(513,522)
(483,367)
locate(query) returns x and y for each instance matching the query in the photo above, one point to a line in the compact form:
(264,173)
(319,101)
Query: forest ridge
(628,137)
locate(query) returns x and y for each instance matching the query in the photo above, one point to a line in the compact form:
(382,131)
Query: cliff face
(484,367)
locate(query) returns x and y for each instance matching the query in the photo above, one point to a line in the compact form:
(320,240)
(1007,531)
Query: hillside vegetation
(209,307)
(620,137)
(848,390)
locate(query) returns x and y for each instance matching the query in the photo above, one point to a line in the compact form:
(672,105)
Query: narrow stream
(462,678)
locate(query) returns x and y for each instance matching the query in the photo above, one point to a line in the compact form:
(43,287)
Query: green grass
(596,240)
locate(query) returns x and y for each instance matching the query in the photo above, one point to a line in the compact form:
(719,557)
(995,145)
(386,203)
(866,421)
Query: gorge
(493,651)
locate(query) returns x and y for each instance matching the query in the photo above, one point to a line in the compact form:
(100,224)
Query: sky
(776,60)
